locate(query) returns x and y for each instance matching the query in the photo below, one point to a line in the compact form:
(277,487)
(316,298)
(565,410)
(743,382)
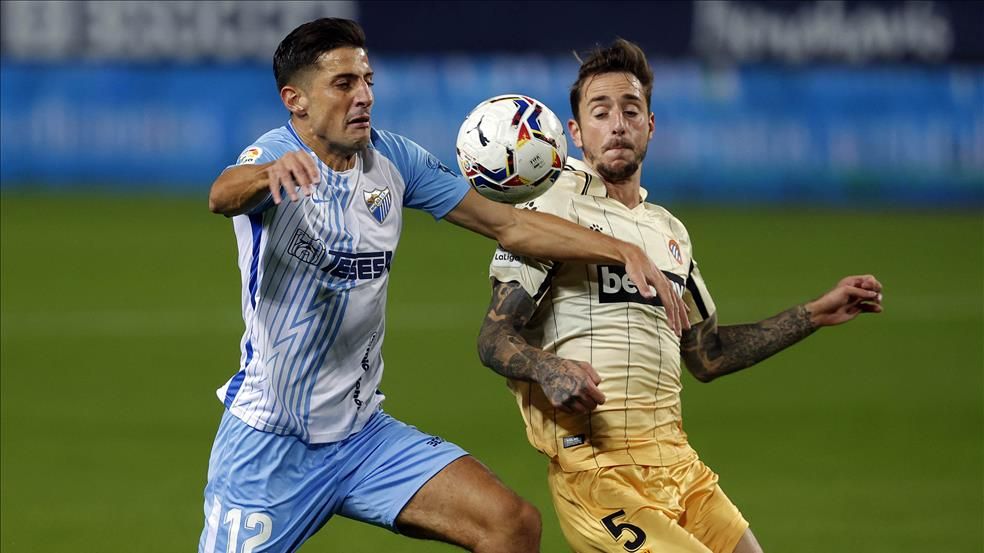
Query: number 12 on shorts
(617,529)
(234,519)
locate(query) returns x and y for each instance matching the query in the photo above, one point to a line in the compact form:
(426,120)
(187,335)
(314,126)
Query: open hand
(641,269)
(293,171)
(852,296)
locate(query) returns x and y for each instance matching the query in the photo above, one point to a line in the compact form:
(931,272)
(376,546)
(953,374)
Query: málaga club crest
(379,203)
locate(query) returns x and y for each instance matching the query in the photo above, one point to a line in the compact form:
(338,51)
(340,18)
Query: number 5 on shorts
(616,530)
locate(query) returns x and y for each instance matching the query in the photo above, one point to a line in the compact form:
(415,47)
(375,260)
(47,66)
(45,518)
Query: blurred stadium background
(799,141)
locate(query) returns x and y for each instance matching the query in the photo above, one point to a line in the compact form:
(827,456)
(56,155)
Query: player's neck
(628,192)
(336,160)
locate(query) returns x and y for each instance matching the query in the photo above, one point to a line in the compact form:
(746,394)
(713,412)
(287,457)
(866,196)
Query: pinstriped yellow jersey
(594,313)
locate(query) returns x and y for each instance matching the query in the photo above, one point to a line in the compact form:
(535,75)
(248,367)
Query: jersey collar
(596,187)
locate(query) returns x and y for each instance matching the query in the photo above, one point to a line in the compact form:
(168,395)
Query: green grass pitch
(120,318)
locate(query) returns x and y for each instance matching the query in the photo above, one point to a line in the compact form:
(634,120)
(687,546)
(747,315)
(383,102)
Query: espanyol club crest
(675,251)
(379,203)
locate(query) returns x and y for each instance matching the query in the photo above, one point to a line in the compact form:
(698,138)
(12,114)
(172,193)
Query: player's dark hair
(304,45)
(621,56)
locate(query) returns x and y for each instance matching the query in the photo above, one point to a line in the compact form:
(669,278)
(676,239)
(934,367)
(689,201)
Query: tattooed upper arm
(509,311)
(511,304)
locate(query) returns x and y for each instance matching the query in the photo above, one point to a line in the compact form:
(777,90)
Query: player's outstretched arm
(546,236)
(239,189)
(571,386)
(710,351)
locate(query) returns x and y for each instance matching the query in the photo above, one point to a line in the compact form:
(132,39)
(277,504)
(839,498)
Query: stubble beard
(621,171)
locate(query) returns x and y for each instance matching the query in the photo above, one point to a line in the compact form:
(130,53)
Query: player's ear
(294,100)
(575,131)
(652,124)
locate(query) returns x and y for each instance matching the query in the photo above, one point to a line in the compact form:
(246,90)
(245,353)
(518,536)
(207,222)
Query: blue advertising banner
(897,135)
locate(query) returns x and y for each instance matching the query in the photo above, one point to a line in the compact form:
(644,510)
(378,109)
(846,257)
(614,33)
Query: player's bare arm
(570,386)
(546,236)
(710,351)
(239,189)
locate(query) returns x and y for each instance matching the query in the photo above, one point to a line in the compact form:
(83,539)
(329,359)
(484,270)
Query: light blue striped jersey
(314,276)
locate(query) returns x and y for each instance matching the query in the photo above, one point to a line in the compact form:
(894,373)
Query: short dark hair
(304,45)
(621,56)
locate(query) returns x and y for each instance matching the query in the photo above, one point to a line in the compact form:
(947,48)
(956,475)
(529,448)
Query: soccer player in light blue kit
(303,436)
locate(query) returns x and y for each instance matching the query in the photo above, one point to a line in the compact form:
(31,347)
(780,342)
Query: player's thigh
(709,514)
(464,504)
(606,514)
(265,492)
(396,461)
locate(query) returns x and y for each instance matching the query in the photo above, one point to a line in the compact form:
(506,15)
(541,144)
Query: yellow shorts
(674,509)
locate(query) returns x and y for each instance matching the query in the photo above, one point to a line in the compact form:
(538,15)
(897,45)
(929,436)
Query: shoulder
(392,145)
(409,157)
(674,224)
(415,165)
(278,138)
(557,199)
(581,177)
(269,146)
(383,139)
(575,180)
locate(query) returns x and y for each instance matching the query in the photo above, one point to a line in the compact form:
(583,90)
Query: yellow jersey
(594,313)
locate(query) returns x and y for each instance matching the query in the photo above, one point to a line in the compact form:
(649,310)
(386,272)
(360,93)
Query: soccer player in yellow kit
(596,368)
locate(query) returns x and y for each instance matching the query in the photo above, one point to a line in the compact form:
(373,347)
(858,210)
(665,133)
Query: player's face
(339,99)
(615,126)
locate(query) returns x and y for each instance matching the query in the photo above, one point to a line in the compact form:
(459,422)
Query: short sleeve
(696,296)
(264,150)
(430,185)
(535,275)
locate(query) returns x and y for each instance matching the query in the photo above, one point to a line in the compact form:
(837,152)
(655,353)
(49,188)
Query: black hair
(304,45)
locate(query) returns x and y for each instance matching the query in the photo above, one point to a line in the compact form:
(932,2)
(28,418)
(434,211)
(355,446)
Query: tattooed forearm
(711,351)
(503,349)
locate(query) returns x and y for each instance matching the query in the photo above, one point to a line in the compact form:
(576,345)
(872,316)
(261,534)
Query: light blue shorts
(269,492)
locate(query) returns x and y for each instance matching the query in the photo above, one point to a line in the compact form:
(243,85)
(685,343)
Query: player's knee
(528,521)
(513,526)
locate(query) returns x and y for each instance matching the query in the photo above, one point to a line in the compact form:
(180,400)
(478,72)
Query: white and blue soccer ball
(511,148)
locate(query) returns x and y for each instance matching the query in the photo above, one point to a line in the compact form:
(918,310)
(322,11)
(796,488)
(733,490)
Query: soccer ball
(511,148)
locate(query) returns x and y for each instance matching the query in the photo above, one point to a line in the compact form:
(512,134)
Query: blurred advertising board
(796,100)
(750,133)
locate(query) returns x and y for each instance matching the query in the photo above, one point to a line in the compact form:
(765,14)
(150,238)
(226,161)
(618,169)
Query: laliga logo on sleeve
(503,258)
(250,155)
(675,251)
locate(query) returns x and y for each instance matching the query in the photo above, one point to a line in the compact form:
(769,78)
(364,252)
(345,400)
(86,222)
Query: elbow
(481,356)
(215,201)
(486,346)
(508,239)
(484,353)
(704,375)
(222,196)
(219,205)
(510,232)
